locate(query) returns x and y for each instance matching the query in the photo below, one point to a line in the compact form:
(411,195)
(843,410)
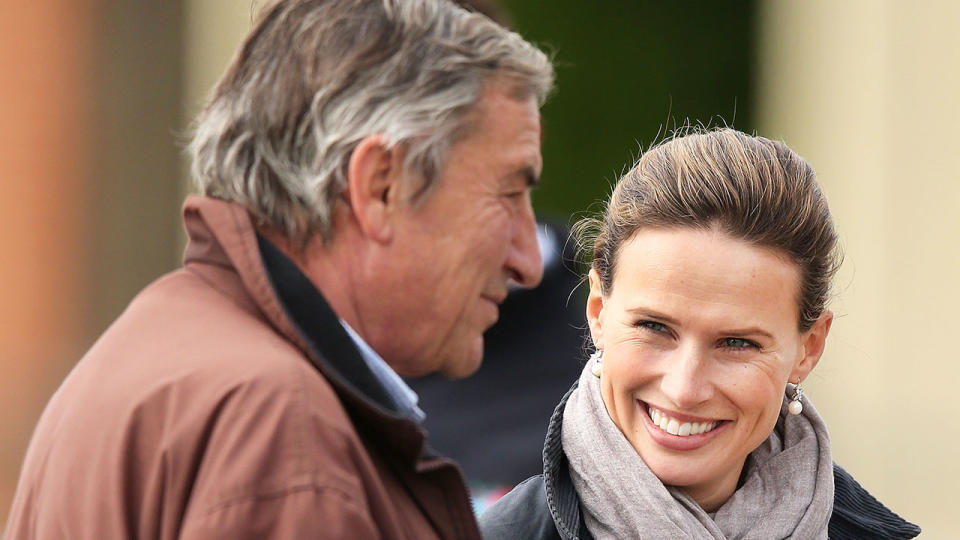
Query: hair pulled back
(751,188)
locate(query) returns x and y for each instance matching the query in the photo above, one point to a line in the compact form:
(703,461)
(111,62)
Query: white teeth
(674,427)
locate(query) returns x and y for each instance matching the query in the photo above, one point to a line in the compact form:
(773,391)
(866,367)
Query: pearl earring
(796,406)
(596,362)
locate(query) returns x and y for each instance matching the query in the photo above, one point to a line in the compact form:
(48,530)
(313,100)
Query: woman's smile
(679,432)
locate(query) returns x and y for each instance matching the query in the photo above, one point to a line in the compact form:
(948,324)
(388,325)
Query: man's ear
(812,345)
(595,308)
(373,176)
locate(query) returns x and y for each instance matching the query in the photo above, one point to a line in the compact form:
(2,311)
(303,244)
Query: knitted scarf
(786,489)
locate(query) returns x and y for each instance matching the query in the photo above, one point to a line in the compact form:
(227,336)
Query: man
(366,167)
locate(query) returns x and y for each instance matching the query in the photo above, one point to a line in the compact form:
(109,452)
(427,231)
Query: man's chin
(464,364)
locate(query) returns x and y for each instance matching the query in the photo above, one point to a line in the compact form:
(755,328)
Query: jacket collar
(562,499)
(856,513)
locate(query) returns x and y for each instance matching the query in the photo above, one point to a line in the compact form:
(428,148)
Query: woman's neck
(712,495)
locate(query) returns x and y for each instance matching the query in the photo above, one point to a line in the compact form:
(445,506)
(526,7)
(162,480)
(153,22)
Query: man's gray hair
(316,77)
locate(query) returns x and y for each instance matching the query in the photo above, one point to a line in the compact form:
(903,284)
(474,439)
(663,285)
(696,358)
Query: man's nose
(524,263)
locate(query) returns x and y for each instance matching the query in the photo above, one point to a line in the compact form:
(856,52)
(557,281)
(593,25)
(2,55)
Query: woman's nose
(685,380)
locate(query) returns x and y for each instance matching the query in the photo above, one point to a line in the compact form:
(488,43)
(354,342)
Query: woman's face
(700,336)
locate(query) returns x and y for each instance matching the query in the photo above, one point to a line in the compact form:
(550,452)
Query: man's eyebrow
(533,179)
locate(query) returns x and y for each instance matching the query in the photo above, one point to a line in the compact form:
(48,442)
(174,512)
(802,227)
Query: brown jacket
(228,402)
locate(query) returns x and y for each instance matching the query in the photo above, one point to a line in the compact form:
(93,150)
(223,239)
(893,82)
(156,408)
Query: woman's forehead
(704,272)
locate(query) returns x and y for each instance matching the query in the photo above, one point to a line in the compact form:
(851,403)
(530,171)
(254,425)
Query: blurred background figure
(95,97)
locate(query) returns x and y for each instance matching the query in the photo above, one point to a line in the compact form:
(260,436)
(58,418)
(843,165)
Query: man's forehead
(497,112)
(500,92)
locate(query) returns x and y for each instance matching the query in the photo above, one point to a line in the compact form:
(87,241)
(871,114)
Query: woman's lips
(679,432)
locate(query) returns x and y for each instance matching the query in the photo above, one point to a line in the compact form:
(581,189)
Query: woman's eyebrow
(751,331)
(648,313)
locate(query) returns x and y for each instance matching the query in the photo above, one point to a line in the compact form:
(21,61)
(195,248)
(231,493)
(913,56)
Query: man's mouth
(677,427)
(496,298)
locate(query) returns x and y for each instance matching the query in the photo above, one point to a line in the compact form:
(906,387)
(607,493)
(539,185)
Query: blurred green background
(629,72)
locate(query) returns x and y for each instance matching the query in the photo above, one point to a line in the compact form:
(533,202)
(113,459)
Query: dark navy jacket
(547,507)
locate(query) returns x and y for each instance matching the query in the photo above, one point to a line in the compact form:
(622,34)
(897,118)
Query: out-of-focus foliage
(627,70)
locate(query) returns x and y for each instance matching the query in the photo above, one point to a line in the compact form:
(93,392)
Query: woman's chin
(678,473)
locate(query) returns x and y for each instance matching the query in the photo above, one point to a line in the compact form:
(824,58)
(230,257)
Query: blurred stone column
(868,92)
(90,116)
(46,54)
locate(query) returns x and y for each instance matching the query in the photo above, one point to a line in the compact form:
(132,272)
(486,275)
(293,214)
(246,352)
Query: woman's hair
(754,189)
(316,77)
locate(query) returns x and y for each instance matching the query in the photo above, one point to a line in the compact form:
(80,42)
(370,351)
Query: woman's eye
(739,343)
(653,325)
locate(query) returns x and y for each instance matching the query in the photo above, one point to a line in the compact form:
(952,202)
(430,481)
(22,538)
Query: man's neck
(327,266)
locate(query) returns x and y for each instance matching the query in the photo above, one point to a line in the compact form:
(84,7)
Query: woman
(710,274)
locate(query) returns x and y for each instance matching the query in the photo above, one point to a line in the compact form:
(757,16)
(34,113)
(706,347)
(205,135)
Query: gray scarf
(787,490)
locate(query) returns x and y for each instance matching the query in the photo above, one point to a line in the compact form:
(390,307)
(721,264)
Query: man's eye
(739,343)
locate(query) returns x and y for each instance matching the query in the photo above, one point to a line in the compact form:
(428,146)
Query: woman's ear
(813,342)
(374,173)
(595,308)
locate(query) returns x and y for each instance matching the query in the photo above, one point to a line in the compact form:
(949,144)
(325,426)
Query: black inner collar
(335,354)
